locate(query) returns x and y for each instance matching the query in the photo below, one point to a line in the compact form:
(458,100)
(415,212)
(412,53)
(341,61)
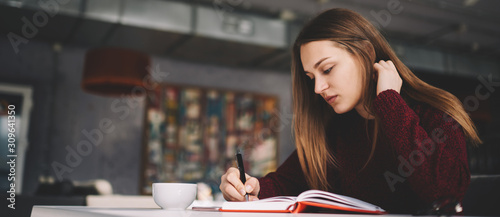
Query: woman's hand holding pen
(387,76)
(234,190)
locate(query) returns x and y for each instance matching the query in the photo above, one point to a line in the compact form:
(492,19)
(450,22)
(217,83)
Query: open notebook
(307,199)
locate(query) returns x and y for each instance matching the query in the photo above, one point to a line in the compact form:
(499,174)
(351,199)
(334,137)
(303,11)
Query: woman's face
(336,74)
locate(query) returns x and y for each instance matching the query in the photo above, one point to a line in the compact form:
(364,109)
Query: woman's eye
(328,70)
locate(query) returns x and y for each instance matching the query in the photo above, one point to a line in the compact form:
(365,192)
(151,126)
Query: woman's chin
(339,110)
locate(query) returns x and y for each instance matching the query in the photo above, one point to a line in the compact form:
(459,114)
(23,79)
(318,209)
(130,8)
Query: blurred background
(93,81)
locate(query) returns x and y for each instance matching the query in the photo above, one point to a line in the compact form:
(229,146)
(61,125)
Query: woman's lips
(331,99)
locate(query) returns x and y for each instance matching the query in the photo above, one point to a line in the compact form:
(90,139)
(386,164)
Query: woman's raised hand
(388,76)
(233,189)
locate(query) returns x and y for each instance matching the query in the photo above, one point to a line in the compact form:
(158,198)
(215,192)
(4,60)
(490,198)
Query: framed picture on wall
(192,134)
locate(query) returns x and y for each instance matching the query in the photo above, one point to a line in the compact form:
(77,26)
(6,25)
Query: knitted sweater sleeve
(431,148)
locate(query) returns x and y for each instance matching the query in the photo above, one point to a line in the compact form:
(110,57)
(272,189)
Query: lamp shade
(114,71)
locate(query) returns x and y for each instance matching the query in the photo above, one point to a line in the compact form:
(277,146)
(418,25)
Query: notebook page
(336,199)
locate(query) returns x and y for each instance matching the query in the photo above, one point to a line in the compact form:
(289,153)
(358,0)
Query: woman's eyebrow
(318,63)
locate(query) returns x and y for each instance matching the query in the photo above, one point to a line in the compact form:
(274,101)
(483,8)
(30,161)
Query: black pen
(242,171)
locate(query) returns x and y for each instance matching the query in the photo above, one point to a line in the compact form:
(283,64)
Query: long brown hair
(360,38)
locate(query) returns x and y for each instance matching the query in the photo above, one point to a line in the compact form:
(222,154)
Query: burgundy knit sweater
(419,158)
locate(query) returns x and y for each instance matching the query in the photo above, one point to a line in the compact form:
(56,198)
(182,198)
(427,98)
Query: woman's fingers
(230,193)
(387,76)
(233,177)
(234,190)
(252,186)
(231,186)
(253,198)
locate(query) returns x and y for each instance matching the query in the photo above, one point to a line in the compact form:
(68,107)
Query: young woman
(365,126)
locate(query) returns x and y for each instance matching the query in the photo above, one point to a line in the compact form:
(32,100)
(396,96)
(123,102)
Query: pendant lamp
(111,71)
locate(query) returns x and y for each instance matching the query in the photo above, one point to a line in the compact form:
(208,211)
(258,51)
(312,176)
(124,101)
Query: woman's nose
(320,85)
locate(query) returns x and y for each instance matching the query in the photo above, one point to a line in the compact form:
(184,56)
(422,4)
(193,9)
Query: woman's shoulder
(430,116)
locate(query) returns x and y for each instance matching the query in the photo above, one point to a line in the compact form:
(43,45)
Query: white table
(84,211)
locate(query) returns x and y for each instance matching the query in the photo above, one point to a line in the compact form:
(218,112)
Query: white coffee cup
(174,196)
